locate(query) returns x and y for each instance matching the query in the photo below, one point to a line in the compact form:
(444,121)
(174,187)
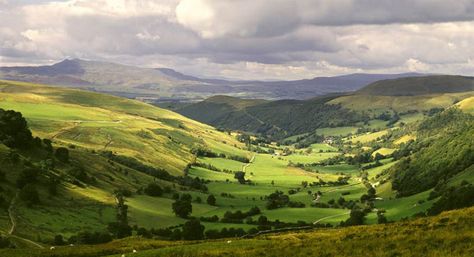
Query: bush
(182,207)
(211,200)
(62,154)
(153,189)
(193,230)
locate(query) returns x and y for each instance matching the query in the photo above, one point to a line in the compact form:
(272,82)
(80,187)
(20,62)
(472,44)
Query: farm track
(244,168)
(11,215)
(332,216)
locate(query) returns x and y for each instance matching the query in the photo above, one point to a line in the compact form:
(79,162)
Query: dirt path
(11,215)
(244,168)
(332,216)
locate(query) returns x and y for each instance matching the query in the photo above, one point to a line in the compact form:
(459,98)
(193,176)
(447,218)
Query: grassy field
(339,131)
(368,137)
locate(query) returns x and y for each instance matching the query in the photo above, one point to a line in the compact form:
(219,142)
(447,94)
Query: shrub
(153,189)
(62,154)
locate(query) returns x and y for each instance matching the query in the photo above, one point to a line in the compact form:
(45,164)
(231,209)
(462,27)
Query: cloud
(263,39)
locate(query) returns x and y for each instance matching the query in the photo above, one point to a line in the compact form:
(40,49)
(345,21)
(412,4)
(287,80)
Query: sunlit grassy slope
(381,103)
(102,122)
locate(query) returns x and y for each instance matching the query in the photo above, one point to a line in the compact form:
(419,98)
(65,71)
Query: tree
(29,194)
(62,153)
(357,217)
(240,176)
(182,207)
(277,200)
(381,219)
(211,200)
(59,240)
(193,230)
(14,131)
(120,228)
(153,189)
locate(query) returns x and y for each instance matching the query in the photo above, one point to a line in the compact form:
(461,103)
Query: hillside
(448,234)
(293,117)
(419,86)
(163,84)
(276,118)
(97,121)
(442,150)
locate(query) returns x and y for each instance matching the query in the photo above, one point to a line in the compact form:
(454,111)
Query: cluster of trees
(344,180)
(85,237)
(358,159)
(357,217)
(341,202)
(239,216)
(182,206)
(14,131)
(278,200)
(153,189)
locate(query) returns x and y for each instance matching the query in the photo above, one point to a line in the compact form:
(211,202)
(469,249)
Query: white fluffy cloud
(257,39)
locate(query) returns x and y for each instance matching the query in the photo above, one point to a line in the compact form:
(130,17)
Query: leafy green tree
(357,217)
(59,240)
(14,131)
(153,189)
(211,200)
(182,207)
(240,176)
(62,153)
(193,230)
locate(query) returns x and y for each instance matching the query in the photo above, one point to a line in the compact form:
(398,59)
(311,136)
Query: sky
(245,39)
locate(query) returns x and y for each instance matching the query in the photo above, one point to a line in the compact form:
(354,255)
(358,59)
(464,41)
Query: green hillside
(444,148)
(101,122)
(407,98)
(411,86)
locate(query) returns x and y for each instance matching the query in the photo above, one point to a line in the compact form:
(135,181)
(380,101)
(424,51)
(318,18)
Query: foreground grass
(449,234)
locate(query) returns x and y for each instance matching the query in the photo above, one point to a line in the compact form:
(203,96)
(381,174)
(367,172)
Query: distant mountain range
(163,84)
